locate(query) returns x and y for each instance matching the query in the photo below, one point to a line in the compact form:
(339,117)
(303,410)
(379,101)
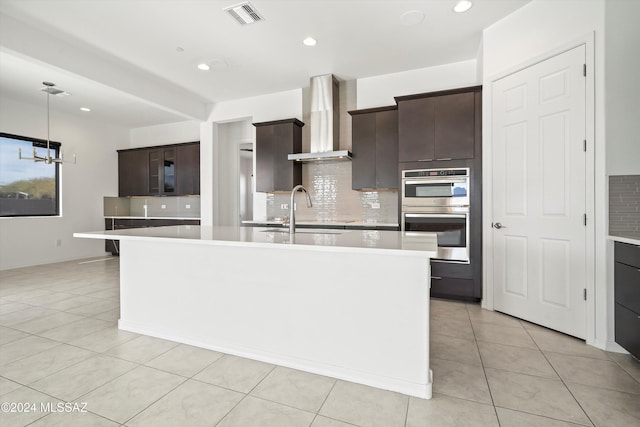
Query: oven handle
(425,215)
(435,181)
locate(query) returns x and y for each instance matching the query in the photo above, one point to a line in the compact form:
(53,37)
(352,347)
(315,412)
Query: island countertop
(380,241)
(347,304)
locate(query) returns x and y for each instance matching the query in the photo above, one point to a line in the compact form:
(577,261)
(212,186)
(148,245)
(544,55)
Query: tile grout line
(624,369)
(406,414)
(158,399)
(484,372)
(245,394)
(64,400)
(559,376)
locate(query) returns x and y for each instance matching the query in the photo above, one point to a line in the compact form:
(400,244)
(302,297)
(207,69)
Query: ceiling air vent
(244,13)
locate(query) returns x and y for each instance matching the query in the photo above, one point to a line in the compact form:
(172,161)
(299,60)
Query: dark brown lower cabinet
(455,281)
(628,329)
(448,287)
(627,297)
(113,246)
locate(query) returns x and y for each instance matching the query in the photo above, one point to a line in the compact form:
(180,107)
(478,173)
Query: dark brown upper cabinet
(133,173)
(188,169)
(274,142)
(171,170)
(374,145)
(438,125)
(162,171)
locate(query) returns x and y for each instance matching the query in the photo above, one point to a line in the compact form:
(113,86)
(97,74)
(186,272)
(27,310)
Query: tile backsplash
(177,207)
(329,184)
(624,206)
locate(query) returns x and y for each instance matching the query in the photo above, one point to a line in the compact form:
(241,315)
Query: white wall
(214,163)
(379,91)
(529,33)
(622,63)
(32,241)
(172,133)
(537,28)
(264,108)
(230,136)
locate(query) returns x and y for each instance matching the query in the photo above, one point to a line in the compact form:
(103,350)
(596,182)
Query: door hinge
(584,146)
(584,219)
(584,70)
(584,293)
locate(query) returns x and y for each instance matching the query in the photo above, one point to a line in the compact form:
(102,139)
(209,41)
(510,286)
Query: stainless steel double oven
(437,201)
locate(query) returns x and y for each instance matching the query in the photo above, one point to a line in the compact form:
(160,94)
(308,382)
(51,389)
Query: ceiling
(133,62)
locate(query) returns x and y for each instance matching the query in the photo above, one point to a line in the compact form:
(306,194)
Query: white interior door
(539,193)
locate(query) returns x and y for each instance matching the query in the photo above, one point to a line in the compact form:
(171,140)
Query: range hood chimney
(325,122)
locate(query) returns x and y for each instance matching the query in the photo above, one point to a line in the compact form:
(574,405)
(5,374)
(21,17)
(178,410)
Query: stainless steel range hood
(325,122)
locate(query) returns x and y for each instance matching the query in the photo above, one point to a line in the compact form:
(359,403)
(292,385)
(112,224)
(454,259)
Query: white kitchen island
(348,304)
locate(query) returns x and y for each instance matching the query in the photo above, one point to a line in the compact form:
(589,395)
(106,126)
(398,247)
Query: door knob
(498,226)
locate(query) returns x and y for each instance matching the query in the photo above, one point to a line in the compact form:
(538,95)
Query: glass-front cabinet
(162,165)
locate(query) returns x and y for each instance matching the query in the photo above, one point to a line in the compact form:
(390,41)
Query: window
(28,188)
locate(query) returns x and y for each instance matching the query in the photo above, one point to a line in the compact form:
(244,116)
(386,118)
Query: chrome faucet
(292,209)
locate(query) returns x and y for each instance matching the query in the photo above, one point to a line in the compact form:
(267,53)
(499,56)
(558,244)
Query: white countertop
(320,224)
(380,241)
(630,240)
(152,217)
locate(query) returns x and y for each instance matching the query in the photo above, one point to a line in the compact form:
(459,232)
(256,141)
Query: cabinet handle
(436,277)
(446,158)
(425,160)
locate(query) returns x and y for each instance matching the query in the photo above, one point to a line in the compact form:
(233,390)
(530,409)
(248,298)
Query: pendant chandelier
(50,90)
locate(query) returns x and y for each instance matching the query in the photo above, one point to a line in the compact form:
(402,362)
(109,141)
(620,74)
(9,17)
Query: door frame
(592,176)
(244,144)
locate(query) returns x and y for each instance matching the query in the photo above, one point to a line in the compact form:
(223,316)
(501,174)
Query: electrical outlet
(284,206)
(187,206)
(375,205)
(163,206)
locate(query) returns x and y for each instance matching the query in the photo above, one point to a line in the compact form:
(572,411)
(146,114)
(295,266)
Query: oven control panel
(434,172)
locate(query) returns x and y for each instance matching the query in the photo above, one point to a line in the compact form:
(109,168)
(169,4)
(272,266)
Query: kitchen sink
(304,231)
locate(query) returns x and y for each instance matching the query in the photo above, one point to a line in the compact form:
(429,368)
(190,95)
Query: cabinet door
(627,325)
(363,146)
(169,171)
(283,170)
(449,287)
(188,170)
(416,129)
(133,173)
(274,142)
(155,172)
(264,158)
(454,126)
(386,149)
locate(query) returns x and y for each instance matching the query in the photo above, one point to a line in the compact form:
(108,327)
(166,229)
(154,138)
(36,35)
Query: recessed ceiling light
(85,109)
(462,6)
(411,18)
(203,67)
(309,41)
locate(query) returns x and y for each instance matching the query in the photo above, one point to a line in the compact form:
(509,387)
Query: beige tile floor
(59,343)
